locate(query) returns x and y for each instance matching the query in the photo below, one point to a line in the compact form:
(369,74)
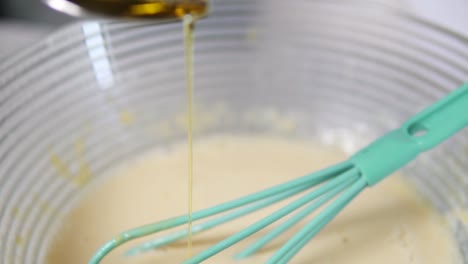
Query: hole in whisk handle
(440,120)
(417,130)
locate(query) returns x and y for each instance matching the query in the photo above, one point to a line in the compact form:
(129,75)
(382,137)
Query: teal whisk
(338,185)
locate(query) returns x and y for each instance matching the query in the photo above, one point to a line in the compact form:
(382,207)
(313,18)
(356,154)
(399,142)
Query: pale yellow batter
(387,224)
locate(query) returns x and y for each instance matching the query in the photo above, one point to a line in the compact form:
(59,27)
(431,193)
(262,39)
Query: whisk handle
(421,132)
(439,121)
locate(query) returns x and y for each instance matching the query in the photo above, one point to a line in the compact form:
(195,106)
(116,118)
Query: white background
(450,13)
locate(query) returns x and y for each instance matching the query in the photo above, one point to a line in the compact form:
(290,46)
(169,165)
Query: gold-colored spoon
(154,9)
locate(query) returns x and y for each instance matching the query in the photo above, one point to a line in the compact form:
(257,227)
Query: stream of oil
(189,26)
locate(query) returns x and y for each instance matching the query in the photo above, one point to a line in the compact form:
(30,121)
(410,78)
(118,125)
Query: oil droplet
(83,176)
(463,216)
(19,241)
(79,147)
(60,166)
(15,212)
(43,208)
(252,35)
(127,118)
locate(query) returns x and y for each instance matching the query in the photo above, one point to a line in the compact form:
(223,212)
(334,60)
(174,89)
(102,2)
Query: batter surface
(386,224)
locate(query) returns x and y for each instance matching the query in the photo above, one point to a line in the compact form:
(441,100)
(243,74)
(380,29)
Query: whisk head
(336,185)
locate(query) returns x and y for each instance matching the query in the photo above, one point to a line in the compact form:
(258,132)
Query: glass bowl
(97,93)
